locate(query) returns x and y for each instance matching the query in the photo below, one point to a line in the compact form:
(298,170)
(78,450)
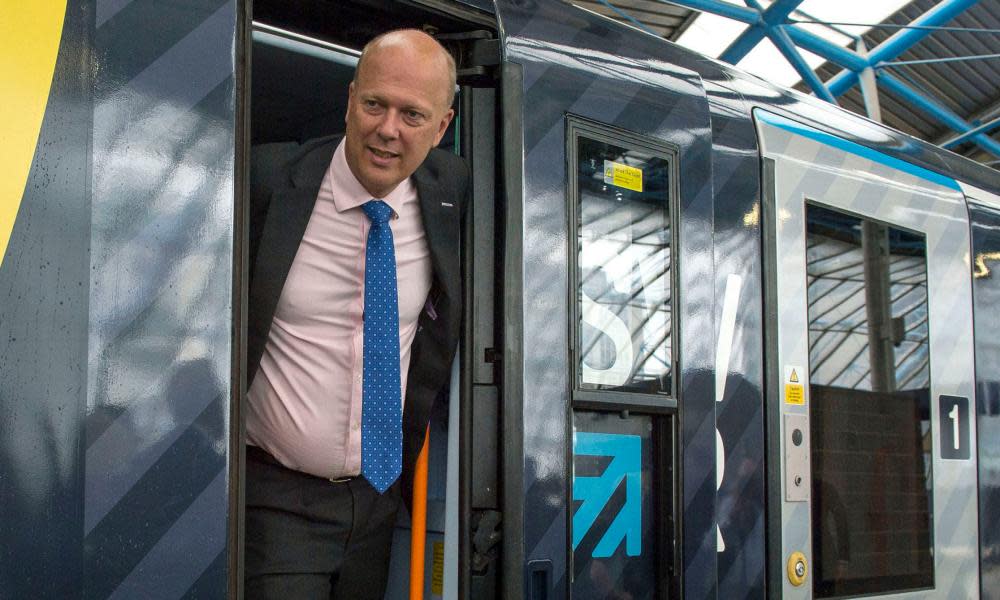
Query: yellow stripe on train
(29,42)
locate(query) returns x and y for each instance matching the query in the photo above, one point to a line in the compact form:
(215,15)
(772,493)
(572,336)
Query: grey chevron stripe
(179,558)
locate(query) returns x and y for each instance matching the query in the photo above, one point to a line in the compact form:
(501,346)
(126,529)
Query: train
(721,339)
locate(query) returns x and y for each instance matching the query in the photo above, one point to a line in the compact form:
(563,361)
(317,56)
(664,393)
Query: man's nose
(388,127)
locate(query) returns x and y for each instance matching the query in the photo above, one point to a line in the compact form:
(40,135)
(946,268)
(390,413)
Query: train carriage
(721,340)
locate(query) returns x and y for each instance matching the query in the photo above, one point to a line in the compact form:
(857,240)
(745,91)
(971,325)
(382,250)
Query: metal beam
(776,14)
(869,90)
(936,110)
(763,23)
(802,38)
(935,61)
(784,45)
(821,47)
(723,9)
(900,42)
(982,115)
(985,128)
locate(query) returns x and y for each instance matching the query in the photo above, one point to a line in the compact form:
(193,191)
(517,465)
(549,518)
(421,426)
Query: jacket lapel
(439,211)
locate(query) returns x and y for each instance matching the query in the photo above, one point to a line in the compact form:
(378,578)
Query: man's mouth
(386,154)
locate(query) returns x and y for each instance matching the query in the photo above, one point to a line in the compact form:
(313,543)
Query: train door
(870,372)
(608,407)
(116,278)
(984,215)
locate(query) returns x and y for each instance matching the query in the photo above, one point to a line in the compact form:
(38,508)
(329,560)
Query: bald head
(420,50)
(398,108)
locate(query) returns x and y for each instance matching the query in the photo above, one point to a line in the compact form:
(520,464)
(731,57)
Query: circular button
(797,569)
(797,437)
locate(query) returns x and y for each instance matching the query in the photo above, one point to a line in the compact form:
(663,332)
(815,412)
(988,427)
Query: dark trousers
(308,538)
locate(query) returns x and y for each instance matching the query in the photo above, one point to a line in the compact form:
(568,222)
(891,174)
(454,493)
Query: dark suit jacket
(285,180)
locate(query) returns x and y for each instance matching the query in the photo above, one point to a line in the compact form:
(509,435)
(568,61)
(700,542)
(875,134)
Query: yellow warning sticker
(794,394)
(795,389)
(622,175)
(437,569)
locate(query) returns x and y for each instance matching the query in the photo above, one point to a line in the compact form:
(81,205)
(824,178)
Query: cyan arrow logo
(626,463)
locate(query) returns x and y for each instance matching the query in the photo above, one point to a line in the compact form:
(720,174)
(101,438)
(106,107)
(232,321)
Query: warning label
(622,175)
(437,569)
(795,389)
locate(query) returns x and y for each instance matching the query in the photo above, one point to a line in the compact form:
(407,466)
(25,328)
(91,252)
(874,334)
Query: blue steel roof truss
(775,23)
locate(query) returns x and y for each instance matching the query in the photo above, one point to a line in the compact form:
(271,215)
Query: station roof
(969,88)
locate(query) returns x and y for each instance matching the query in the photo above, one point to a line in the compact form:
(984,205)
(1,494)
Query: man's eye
(414,115)
(370,104)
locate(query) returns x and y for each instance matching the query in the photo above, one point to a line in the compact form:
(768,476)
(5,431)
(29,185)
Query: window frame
(577,127)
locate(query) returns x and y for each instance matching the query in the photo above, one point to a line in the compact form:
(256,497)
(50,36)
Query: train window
(620,191)
(869,406)
(622,512)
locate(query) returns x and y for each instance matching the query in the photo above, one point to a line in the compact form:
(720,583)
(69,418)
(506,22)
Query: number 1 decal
(953,417)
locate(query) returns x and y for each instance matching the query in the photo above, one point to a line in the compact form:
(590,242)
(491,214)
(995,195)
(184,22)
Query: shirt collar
(348,192)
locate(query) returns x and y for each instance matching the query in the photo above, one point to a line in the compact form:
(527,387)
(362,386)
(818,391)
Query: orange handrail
(418,530)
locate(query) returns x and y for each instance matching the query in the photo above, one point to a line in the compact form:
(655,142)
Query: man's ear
(445,120)
(350,100)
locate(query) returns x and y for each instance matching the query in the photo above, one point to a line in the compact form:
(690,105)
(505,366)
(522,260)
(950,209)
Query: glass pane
(869,410)
(621,469)
(624,269)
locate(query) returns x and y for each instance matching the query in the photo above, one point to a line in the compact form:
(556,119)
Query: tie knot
(378,212)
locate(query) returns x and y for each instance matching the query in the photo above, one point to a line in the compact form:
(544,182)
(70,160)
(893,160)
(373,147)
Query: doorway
(302,58)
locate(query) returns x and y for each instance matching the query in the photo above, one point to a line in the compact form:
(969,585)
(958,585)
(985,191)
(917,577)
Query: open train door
(118,232)
(870,371)
(608,407)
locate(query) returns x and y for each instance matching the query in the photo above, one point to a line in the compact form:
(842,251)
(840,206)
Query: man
(354,305)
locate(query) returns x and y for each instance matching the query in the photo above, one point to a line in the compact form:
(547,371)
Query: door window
(870,421)
(623,289)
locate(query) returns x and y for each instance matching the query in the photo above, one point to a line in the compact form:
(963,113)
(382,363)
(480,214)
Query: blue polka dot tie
(381,406)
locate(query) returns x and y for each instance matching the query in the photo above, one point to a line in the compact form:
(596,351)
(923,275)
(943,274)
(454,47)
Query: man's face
(396,113)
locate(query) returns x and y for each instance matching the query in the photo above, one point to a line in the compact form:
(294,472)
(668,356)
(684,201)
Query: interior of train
(302,60)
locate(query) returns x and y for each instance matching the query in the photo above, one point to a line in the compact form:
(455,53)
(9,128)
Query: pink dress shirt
(304,405)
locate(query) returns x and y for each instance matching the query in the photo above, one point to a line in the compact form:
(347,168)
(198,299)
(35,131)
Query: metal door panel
(157,499)
(119,314)
(818,167)
(984,214)
(574,62)
(44,264)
